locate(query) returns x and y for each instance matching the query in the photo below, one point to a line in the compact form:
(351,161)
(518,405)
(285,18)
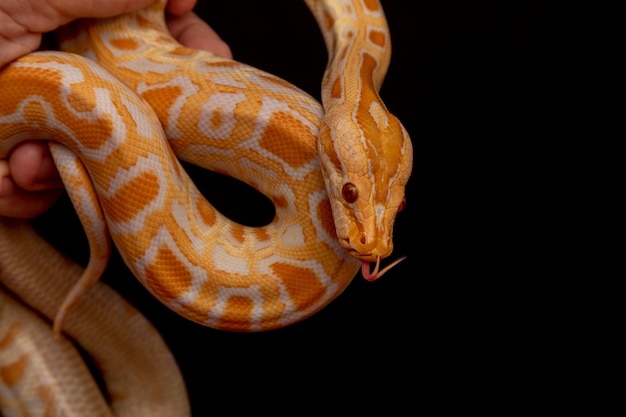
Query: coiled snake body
(336,178)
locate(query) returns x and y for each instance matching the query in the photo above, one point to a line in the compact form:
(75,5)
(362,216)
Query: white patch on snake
(315,108)
(181,213)
(379,115)
(244,169)
(146,121)
(144,65)
(220,106)
(253,170)
(380,215)
(228,263)
(343,9)
(293,236)
(266,83)
(229,81)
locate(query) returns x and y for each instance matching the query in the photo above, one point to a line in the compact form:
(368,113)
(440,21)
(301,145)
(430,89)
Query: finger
(23,204)
(180,7)
(69,10)
(32,167)
(15,202)
(15,39)
(195,33)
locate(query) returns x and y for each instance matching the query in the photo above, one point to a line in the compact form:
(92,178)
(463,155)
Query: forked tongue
(370,275)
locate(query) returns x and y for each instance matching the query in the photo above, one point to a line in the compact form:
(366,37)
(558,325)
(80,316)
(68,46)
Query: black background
(482,87)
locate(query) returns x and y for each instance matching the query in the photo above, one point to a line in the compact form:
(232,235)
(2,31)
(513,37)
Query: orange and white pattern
(335,175)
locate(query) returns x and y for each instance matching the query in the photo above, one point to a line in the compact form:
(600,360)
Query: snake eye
(402,205)
(350,193)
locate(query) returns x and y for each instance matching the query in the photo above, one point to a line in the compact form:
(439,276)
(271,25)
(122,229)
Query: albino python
(106,104)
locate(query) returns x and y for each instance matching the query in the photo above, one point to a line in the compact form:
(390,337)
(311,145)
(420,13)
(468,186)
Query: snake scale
(336,176)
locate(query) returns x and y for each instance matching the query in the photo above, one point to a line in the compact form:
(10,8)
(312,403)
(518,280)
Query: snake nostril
(363,240)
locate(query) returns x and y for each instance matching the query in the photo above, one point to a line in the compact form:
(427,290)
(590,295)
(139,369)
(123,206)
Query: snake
(121,104)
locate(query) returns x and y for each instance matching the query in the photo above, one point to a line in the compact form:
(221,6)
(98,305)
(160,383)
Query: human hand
(29,181)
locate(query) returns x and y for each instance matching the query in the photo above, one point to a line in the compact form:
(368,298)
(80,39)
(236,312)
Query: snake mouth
(365,257)
(366,250)
(352,251)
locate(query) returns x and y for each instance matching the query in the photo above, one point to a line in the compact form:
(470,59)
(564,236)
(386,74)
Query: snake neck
(365,152)
(350,46)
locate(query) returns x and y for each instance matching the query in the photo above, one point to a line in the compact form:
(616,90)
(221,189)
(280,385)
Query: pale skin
(29,181)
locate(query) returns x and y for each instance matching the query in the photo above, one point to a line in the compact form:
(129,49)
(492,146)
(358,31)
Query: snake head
(365,175)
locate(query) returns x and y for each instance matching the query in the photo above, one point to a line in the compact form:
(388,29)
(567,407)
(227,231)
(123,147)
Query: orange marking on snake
(237,232)
(11,334)
(167,263)
(216,119)
(182,51)
(80,104)
(145,185)
(47,396)
(164,97)
(236,308)
(325,213)
(378,38)
(281,201)
(219,65)
(13,373)
(127,44)
(261,234)
(207,212)
(329,21)
(295,154)
(98,133)
(336,91)
(303,284)
(372,5)
(368,66)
